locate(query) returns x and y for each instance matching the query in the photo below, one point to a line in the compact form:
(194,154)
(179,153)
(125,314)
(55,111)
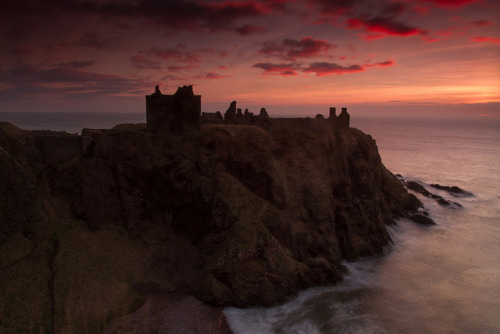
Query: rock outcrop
(417,187)
(453,190)
(235,215)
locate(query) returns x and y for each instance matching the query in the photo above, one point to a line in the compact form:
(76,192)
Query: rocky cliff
(235,215)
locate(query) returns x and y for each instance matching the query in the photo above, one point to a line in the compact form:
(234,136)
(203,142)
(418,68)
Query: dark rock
(421,218)
(453,190)
(247,216)
(415,186)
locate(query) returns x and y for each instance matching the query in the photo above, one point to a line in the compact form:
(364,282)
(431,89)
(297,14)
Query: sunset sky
(290,56)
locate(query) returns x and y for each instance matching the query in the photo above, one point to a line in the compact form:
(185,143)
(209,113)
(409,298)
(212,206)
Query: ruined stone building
(234,115)
(181,112)
(173,114)
(344,119)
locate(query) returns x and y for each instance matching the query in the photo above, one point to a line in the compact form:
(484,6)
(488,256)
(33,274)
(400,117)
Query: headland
(239,210)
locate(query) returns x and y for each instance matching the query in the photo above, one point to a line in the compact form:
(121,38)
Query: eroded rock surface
(235,215)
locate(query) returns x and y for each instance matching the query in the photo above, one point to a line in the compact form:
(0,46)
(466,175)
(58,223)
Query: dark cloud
(278,69)
(212,75)
(77,64)
(320,68)
(335,7)
(63,81)
(384,20)
(452,3)
(178,68)
(223,54)
(383,25)
(249,29)
(174,53)
(291,49)
(382,63)
(175,14)
(22,51)
(92,40)
(153,58)
(381,17)
(324,68)
(143,61)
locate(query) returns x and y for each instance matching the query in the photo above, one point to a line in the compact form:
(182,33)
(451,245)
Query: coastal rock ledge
(232,214)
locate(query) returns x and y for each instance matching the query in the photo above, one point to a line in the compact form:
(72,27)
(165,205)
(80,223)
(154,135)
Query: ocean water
(439,279)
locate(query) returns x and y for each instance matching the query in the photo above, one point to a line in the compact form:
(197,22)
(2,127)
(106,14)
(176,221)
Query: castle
(174,114)
(181,112)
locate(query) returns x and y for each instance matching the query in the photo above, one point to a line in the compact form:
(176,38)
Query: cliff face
(236,215)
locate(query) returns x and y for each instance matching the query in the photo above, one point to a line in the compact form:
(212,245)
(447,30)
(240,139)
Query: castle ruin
(174,114)
(181,112)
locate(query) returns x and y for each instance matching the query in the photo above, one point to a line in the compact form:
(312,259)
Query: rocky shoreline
(230,214)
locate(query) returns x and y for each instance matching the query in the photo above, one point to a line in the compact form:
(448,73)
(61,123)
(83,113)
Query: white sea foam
(337,309)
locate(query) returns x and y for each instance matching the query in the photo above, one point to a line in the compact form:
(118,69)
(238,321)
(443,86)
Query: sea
(442,279)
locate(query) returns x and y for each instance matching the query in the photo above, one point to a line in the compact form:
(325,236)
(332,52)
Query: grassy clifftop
(235,215)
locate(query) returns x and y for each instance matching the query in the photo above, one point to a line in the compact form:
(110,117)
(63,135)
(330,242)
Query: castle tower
(344,119)
(333,113)
(173,114)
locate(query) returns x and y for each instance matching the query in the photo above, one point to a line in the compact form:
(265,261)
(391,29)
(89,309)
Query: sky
(293,57)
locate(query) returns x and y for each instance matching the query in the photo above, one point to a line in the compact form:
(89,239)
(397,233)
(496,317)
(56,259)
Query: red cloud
(452,3)
(320,68)
(381,18)
(482,23)
(292,49)
(278,69)
(381,63)
(484,39)
(323,68)
(383,25)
